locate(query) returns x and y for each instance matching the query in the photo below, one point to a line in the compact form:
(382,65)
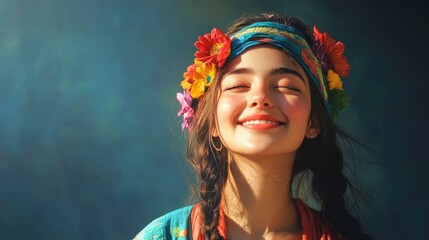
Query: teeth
(254,122)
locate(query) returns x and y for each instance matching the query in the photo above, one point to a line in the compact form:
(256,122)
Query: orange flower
(188,76)
(198,77)
(333,51)
(213,48)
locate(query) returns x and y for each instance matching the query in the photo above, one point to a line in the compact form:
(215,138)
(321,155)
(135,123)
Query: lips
(260,121)
(255,122)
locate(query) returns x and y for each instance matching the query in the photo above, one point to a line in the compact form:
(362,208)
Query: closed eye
(235,87)
(288,88)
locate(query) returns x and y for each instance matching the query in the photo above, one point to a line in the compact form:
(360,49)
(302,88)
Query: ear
(312,131)
(215,133)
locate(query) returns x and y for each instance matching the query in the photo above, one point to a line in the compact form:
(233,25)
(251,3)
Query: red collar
(313,226)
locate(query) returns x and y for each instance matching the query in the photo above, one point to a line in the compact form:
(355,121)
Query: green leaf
(339,101)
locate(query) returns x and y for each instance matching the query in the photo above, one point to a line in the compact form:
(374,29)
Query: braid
(210,164)
(212,171)
(210,192)
(330,184)
(325,159)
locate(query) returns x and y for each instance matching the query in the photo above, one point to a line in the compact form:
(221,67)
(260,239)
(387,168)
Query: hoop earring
(218,149)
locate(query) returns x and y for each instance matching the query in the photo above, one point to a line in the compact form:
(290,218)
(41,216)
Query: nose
(260,98)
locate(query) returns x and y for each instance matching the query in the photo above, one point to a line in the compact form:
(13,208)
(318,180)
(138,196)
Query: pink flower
(186,109)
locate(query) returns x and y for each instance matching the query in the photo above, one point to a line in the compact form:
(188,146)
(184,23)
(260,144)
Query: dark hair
(322,155)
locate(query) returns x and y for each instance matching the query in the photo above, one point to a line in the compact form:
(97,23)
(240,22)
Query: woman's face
(264,105)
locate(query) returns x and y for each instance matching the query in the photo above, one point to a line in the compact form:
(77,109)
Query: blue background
(90,145)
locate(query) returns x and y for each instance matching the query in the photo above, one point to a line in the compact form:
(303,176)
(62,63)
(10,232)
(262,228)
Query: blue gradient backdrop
(90,145)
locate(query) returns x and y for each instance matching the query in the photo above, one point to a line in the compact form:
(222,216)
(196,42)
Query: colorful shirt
(178,225)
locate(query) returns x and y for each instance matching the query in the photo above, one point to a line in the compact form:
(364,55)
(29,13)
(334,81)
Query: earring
(218,149)
(312,136)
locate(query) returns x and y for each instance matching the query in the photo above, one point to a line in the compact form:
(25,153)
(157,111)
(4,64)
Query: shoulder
(173,225)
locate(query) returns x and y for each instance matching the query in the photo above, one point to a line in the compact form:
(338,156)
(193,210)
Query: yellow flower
(198,88)
(334,80)
(206,73)
(186,85)
(198,77)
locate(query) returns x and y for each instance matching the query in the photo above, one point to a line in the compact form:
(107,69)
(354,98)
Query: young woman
(260,104)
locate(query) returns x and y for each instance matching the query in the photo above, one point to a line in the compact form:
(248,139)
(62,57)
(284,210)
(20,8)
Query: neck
(257,197)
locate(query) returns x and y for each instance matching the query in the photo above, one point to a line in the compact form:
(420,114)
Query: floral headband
(324,62)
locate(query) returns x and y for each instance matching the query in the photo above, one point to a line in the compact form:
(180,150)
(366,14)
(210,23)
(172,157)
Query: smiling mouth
(260,119)
(260,122)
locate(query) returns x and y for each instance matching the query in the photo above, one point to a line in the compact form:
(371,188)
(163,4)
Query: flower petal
(198,88)
(332,53)
(186,109)
(213,48)
(334,80)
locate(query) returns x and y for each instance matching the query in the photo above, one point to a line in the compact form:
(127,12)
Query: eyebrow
(284,70)
(274,71)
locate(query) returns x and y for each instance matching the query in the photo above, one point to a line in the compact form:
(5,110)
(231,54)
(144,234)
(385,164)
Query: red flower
(333,51)
(213,48)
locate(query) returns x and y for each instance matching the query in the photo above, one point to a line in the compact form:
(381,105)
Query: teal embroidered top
(173,225)
(177,225)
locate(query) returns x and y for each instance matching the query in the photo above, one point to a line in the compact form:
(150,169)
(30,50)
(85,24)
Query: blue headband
(283,37)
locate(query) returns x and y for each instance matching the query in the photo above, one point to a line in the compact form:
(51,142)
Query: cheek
(227,109)
(296,107)
(297,110)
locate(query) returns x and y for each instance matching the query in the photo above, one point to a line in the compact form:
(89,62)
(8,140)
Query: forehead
(264,58)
